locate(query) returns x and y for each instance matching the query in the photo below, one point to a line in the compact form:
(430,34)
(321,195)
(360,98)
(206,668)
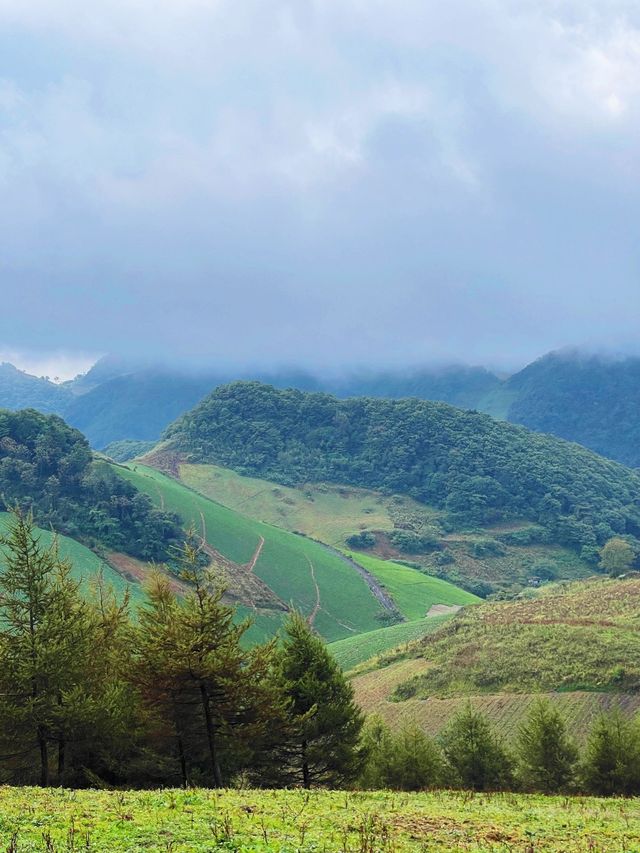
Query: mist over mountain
(592,399)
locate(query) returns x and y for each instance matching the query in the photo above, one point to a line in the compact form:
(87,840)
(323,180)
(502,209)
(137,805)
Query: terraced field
(199,820)
(356,650)
(259,559)
(375,689)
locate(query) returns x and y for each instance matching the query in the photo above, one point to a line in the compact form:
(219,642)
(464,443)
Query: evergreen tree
(377,749)
(475,755)
(612,756)
(417,761)
(547,756)
(214,696)
(45,643)
(324,716)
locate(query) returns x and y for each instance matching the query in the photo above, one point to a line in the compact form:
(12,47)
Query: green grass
(346,603)
(356,650)
(413,591)
(85,563)
(251,821)
(323,511)
(579,636)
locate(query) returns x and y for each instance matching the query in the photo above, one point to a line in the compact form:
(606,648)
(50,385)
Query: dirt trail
(241,583)
(378,591)
(316,607)
(252,562)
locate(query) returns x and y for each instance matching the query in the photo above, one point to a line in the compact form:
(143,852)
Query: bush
(612,759)
(547,756)
(361,540)
(413,543)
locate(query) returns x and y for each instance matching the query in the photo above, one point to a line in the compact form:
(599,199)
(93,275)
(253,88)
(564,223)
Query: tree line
(478,470)
(92,694)
(48,466)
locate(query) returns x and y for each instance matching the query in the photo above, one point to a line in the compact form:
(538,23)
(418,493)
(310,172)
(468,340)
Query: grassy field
(375,688)
(356,650)
(295,569)
(331,513)
(325,512)
(579,636)
(250,821)
(413,592)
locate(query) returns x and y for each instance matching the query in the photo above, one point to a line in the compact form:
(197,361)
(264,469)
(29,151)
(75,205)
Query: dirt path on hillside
(376,588)
(316,607)
(241,582)
(252,562)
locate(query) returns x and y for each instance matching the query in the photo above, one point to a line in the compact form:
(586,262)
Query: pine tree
(547,756)
(377,748)
(213,695)
(417,762)
(324,717)
(475,755)
(612,756)
(45,642)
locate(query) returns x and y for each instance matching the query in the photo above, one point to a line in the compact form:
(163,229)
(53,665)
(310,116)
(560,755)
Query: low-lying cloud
(323,182)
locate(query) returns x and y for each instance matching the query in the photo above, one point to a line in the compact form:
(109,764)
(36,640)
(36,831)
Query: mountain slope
(589,399)
(578,644)
(267,566)
(19,390)
(479,471)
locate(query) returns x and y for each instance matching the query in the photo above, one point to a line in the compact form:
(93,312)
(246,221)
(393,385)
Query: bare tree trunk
(44,758)
(306,777)
(217,775)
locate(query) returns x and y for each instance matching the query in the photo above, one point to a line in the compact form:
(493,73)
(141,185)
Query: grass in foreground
(33,819)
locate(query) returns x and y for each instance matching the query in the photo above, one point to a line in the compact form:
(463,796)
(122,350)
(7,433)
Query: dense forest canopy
(478,470)
(48,466)
(589,399)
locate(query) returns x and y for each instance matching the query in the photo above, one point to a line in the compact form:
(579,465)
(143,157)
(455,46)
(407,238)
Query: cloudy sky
(319,181)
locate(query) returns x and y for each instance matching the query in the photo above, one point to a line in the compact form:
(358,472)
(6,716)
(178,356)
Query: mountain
(135,406)
(585,398)
(139,403)
(474,469)
(20,390)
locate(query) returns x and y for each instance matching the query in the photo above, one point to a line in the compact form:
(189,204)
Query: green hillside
(492,559)
(291,569)
(85,563)
(575,636)
(577,643)
(413,592)
(478,471)
(356,650)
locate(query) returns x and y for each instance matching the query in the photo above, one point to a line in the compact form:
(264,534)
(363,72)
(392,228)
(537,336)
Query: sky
(318,182)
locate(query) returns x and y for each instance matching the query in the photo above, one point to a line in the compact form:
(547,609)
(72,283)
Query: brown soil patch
(443,609)
(137,571)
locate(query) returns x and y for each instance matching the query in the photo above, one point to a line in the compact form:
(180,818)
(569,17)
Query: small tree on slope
(323,714)
(475,755)
(547,756)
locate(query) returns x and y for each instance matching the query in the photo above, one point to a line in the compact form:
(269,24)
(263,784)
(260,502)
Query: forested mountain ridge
(589,399)
(20,390)
(480,471)
(48,466)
